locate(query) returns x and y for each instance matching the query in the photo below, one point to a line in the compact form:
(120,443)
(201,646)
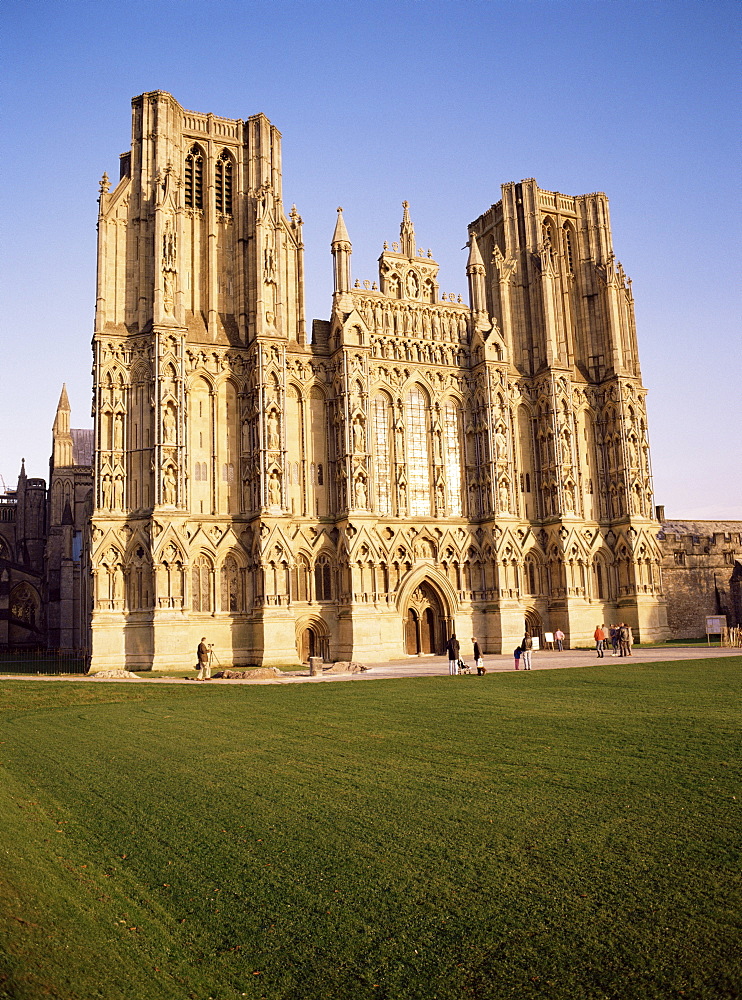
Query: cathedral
(409,467)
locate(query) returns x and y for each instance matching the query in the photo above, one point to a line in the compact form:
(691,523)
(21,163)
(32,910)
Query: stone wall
(699,561)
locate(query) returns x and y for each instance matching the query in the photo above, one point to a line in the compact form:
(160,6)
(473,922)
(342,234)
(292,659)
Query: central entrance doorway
(424,622)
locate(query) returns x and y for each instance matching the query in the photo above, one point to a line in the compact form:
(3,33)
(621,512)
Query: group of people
(522,653)
(620,637)
(455,664)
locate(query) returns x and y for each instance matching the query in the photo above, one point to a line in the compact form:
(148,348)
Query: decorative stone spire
(407,232)
(475,272)
(341,251)
(61,436)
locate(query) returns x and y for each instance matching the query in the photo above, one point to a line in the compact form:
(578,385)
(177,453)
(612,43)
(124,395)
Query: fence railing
(43,661)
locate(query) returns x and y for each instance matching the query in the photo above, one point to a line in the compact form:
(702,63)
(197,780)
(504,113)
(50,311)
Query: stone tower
(564,309)
(66,582)
(199,289)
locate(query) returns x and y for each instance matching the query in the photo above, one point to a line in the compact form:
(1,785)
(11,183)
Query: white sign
(548,636)
(715,625)
(536,642)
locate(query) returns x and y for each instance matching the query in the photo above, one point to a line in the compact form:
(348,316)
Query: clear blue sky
(435,102)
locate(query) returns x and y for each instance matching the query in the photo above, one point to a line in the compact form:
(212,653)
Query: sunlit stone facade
(418,465)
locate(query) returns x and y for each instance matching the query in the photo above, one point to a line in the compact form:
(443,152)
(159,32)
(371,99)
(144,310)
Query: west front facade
(416,466)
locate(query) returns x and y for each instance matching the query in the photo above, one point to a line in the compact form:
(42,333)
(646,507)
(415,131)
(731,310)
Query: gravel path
(419,666)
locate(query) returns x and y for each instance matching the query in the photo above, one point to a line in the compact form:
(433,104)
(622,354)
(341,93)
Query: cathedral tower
(565,309)
(199,292)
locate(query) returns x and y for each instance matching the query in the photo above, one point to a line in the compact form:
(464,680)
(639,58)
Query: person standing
(526,645)
(623,639)
(204,661)
(516,656)
(453,648)
(613,632)
(599,637)
(478,660)
(559,636)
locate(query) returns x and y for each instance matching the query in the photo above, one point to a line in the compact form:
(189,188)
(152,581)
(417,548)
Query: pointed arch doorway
(424,622)
(313,639)
(534,625)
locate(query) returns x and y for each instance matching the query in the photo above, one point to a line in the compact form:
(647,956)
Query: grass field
(558,834)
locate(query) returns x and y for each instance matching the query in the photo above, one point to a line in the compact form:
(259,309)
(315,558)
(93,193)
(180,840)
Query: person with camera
(204,661)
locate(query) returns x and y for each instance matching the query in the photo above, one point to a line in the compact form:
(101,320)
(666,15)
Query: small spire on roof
(64,403)
(407,232)
(341,233)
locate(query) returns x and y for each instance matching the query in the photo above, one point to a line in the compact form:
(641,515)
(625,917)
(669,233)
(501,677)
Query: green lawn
(560,834)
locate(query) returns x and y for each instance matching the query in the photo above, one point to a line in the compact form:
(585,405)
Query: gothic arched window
(453,459)
(302,579)
(322,580)
(201,579)
(382,459)
(194,178)
(569,250)
(231,596)
(224,184)
(418,458)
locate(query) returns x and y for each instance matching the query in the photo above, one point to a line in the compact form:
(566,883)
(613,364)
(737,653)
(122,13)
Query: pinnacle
(475,257)
(64,403)
(341,233)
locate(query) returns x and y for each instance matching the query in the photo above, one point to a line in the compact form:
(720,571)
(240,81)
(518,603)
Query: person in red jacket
(599,636)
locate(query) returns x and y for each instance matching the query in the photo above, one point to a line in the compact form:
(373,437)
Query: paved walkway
(424,666)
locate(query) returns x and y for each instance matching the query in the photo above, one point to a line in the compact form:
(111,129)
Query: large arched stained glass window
(418,459)
(382,461)
(453,460)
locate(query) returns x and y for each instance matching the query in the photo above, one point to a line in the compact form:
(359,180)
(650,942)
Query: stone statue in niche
(269,262)
(399,438)
(504,498)
(272,428)
(501,443)
(169,247)
(566,450)
(118,431)
(168,424)
(274,490)
(168,293)
(118,492)
(569,498)
(359,436)
(168,486)
(360,493)
(107,491)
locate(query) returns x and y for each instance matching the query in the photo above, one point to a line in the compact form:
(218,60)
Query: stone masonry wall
(698,561)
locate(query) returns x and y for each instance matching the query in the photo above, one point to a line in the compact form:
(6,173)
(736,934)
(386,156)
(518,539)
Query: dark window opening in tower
(569,249)
(224,184)
(194,177)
